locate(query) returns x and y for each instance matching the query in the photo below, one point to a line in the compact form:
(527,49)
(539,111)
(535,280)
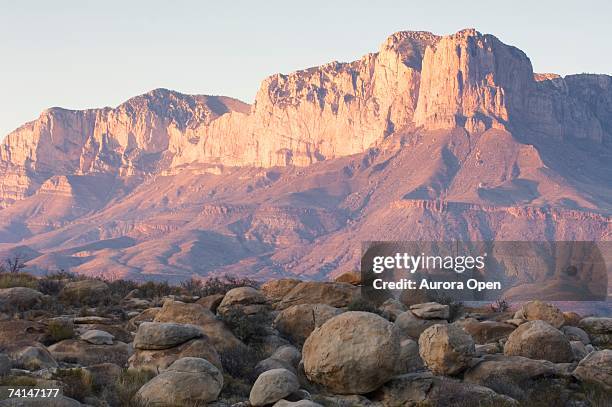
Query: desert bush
(155,289)
(234,390)
(239,362)
(248,328)
(500,306)
(126,387)
(18,381)
(18,279)
(49,286)
(120,288)
(77,383)
(217,285)
(60,330)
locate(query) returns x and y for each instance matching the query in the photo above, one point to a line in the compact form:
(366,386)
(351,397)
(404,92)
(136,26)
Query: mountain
(431,138)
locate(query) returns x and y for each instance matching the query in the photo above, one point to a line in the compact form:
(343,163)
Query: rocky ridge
(438,137)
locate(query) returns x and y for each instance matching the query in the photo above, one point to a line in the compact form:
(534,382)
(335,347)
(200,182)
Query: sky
(83,54)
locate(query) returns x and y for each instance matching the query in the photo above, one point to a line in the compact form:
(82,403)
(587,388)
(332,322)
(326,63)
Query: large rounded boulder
(538,310)
(298,321)
(446,349)
(539,340)
(352,353)
(187,382)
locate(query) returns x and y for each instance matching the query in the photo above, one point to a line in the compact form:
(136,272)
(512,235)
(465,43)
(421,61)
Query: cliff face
(417,79)
(431,137)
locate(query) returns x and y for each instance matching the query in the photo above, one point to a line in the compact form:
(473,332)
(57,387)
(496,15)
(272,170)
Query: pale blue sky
(80,54)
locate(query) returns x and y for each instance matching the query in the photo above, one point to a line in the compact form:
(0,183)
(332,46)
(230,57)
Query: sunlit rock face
(432,137)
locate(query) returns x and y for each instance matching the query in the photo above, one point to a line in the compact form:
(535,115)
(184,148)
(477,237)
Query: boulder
(446,349)
(147,315)
(488,349)
(275,290)
(596,368)
(211,302)
(84,291)
(539,340)
(157,360)
(538,310)
(187,382)
(286,357)
(579,350)
(87,354)
(19,298)
(409,358)
(410,326)
(298,321)
(117,331)
(195,314)
(97,337)
(571,318)
(486,331)
(574,333)
(599,330)
(246,300)
(288,353)
(34,358)
(391,309)
(273,385)
(431,310)
(510,375)
(316,292)
(158,335)
(350,277)
(424,389)
(352,353)
(20,331)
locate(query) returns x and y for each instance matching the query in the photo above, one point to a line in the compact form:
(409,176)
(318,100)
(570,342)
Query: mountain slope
(431,138)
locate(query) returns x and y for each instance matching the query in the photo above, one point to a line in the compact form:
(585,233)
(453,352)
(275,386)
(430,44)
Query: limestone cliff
(416,81)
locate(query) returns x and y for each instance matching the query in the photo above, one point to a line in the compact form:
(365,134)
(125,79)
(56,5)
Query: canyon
(431,138)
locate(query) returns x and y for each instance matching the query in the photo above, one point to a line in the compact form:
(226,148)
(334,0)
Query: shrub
(121,288)
(220,285)
(50,286)
(500,306)
(154,289)
(248,328)
(127,385)
(239,362)
(18,279)
(60,329)
(77,383)
(18,381)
